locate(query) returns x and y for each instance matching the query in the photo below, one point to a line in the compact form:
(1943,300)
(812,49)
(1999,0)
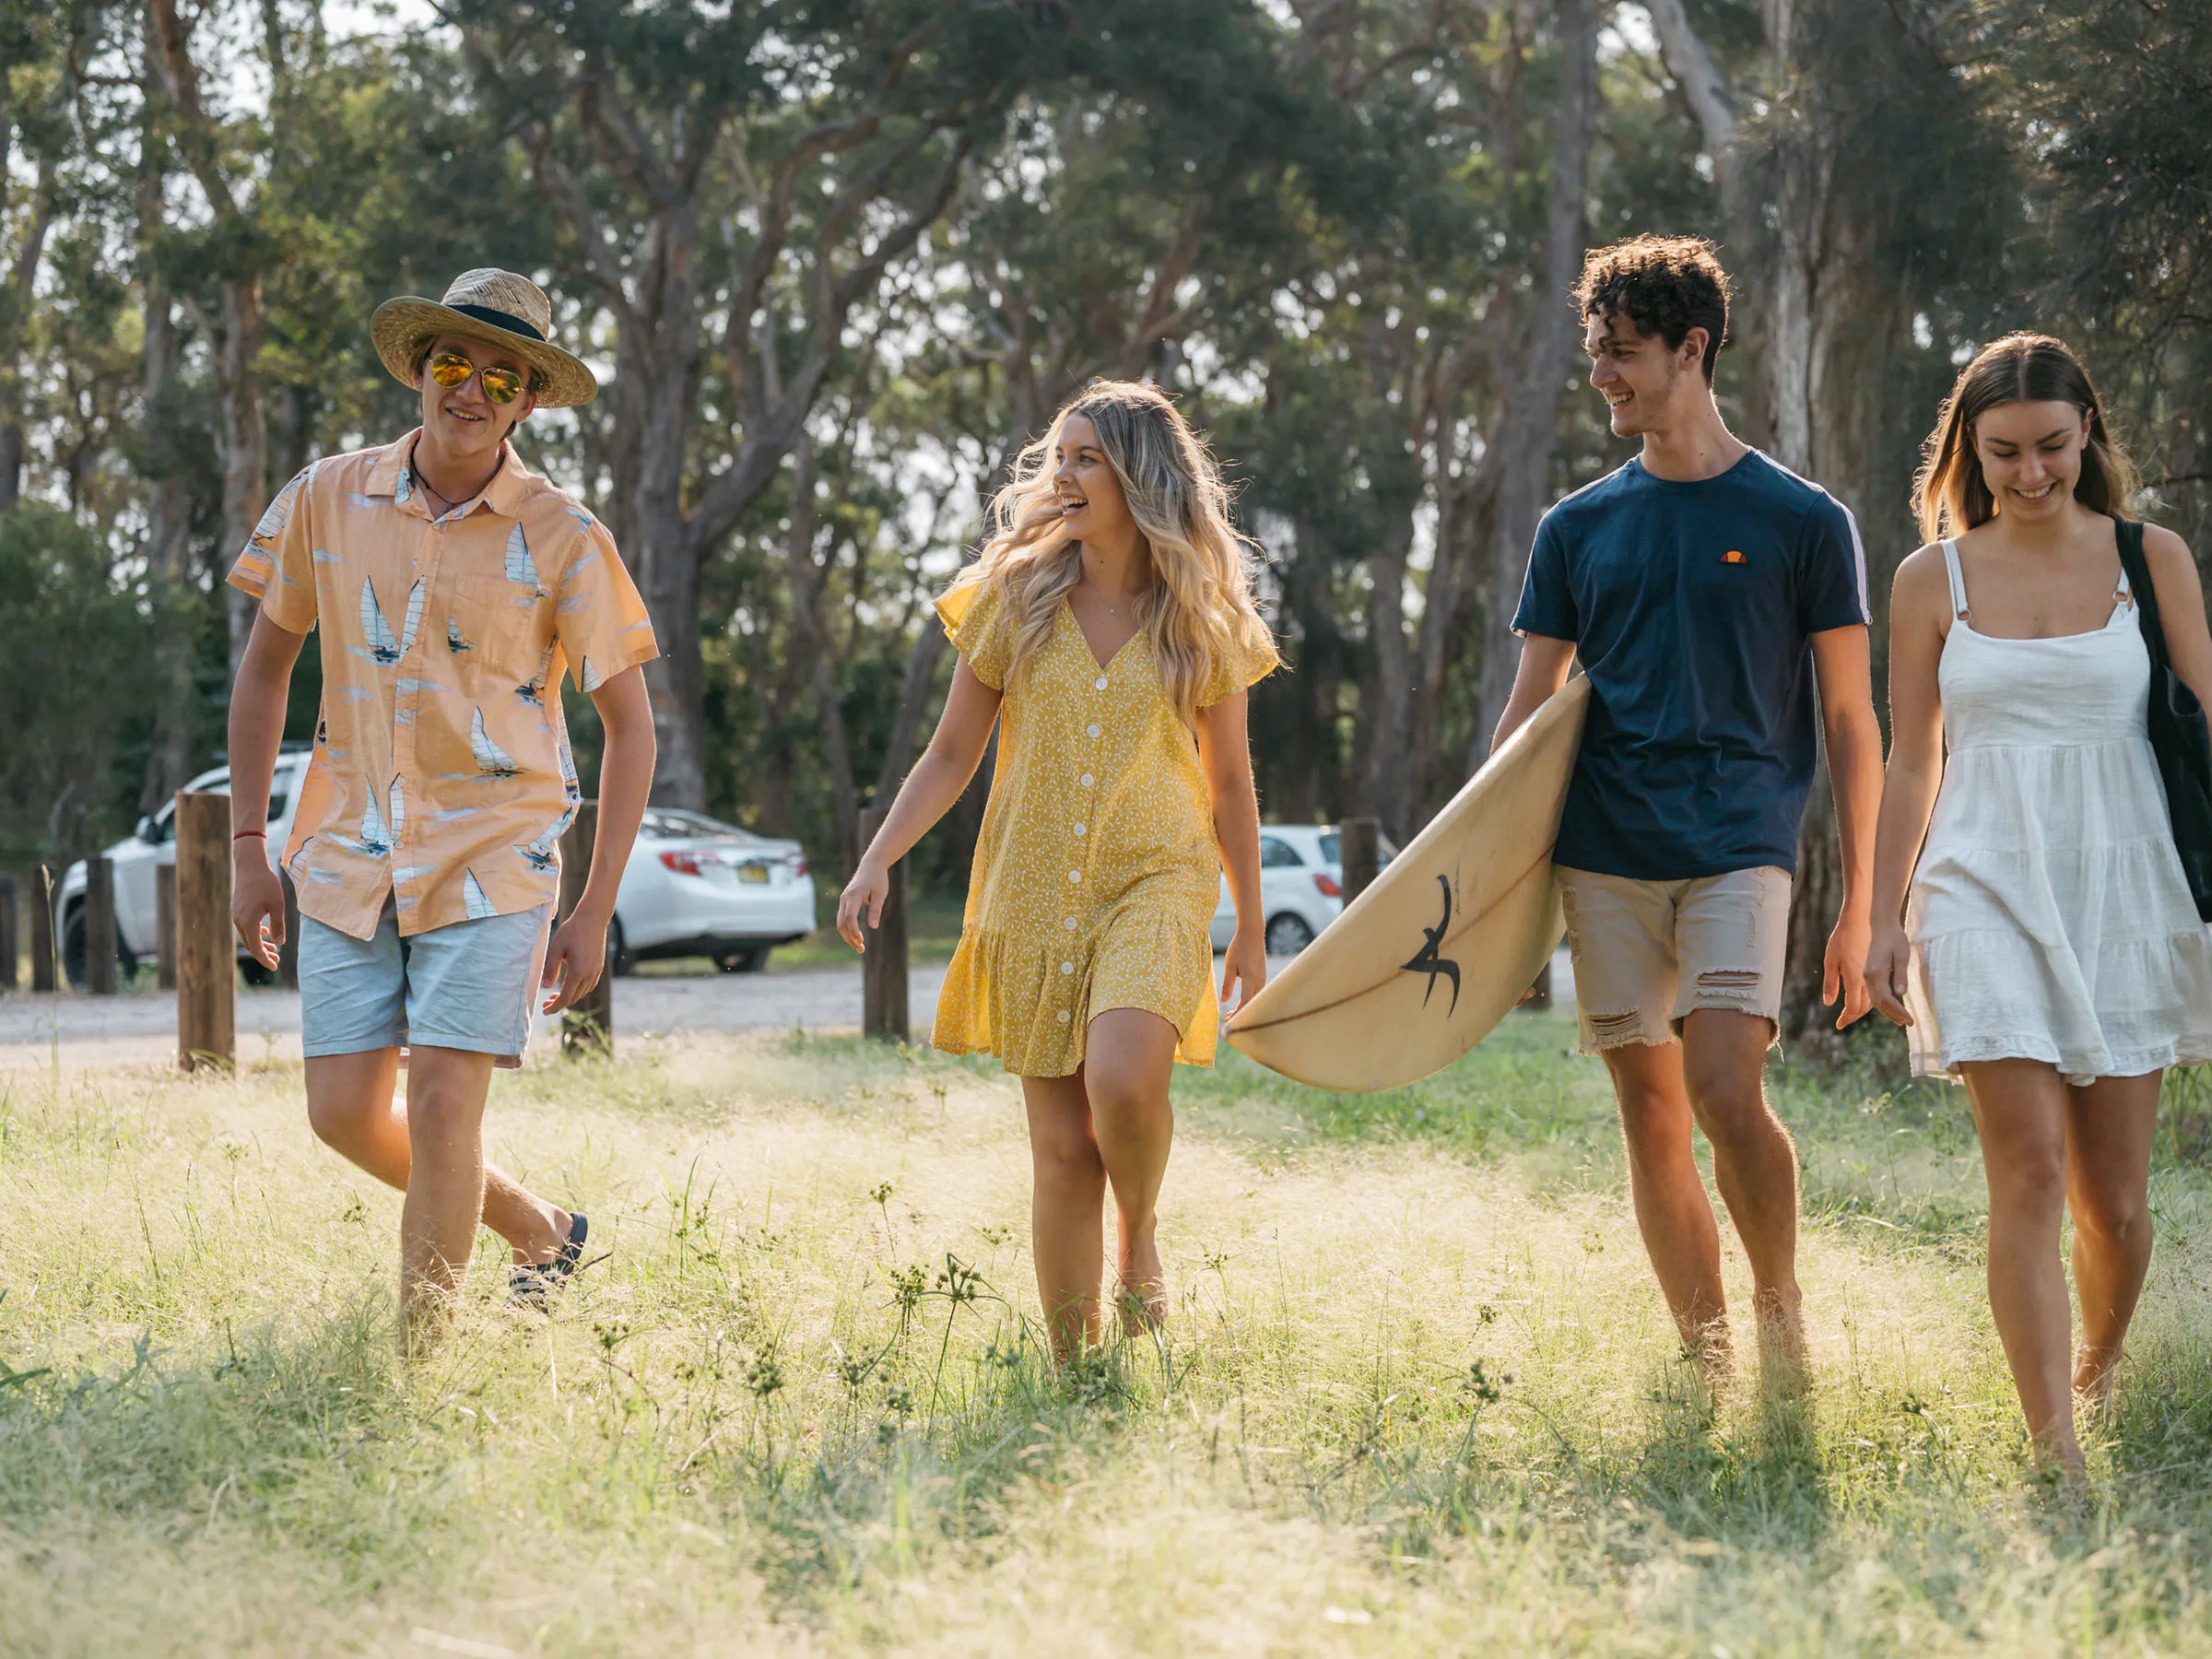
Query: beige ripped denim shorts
(1646,953)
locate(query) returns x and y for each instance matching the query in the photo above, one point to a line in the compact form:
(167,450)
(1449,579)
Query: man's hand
(573,960)
(1844,970)
(257,900)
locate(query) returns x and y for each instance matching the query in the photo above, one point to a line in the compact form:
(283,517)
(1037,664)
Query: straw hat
(495,306)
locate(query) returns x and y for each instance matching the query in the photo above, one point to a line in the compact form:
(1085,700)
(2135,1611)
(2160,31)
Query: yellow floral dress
(1097,872)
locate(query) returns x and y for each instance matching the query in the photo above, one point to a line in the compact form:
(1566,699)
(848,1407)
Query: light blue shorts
(472,985)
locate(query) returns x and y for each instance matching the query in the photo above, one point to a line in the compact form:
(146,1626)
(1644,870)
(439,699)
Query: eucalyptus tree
(733,181)
(1865,187)
(39,50)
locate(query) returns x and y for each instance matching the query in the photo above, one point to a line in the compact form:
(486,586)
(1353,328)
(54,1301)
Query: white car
(693,887)
(137,921)
(1302,886)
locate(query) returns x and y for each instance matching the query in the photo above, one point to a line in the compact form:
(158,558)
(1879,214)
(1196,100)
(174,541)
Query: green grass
(1418,1393)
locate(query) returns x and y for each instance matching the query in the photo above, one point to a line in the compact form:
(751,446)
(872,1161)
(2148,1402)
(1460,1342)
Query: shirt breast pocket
(497,627)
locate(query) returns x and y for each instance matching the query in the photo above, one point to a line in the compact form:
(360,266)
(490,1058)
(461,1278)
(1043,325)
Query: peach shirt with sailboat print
(441,777)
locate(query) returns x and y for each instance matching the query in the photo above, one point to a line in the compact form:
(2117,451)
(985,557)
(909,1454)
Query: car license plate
(755,873)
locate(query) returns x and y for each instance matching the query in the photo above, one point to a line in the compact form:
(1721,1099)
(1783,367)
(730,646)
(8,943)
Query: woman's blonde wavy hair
(1201,611)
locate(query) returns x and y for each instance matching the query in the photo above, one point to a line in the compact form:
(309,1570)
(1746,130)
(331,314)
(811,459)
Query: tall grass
(1418,1394)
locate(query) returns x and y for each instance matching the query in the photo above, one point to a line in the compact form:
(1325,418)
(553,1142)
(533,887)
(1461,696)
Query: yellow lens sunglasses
(450,369)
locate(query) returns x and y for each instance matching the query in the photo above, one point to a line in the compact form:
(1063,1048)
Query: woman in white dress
(2049,957)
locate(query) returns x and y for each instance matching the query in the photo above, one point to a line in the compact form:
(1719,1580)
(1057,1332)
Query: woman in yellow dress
(1108,626)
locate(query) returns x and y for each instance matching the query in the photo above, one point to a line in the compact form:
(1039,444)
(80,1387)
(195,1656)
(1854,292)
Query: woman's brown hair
(1949,494)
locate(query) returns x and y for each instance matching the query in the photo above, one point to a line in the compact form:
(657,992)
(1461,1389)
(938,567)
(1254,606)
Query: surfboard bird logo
(1428,961)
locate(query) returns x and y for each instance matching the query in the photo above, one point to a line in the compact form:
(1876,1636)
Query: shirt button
(1069,924)
(1078,828)
(1098,684)
(1094,728)
(1067,967)
(1075,874)
(1063,1016)
(1088,782)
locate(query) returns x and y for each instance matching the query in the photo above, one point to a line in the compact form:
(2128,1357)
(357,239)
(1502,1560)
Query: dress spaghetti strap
(1950,563)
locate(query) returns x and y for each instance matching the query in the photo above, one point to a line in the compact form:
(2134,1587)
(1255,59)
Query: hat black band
(499,319)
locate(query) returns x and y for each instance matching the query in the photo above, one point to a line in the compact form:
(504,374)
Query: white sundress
(2050,919)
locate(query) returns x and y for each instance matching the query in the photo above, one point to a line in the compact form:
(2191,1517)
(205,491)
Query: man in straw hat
(453,587)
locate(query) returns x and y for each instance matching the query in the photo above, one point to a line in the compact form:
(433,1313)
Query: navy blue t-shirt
(1689,605)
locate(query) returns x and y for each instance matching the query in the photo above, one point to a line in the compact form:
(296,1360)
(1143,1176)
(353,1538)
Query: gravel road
(140,1027)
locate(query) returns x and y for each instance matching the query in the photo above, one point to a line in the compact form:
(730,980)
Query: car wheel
(751,959)
(1288,935)
(620,961)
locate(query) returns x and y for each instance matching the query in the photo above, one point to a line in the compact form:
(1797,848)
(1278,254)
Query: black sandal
(532,1284)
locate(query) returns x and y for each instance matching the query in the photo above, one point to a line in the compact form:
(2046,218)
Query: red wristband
(243,834)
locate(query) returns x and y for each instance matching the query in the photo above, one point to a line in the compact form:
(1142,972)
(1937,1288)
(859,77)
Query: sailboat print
(492,761)
(455,642)
(280,510)
(383,647)
(533,694)
(471,898)
(398,820)
(374,841)
(521,567)
(538,854)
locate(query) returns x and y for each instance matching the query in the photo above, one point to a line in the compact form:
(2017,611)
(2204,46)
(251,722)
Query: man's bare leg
(352,1107)
(1672,1210)
(1755,1165)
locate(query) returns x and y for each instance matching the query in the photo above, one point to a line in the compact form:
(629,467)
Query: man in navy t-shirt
(1707,592)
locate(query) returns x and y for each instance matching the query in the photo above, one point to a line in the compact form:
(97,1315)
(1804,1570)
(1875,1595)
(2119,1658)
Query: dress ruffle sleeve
(1250,660)
(974,615)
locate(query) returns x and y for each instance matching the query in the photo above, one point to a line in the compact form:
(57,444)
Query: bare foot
(2093,1372)
(1784,1367)
(1711,1346)
(1142,1293)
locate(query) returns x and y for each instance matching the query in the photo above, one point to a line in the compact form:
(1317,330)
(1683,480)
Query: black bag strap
(2129,533)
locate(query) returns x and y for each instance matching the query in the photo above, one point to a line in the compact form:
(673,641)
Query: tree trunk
(245,438)
(1526,437)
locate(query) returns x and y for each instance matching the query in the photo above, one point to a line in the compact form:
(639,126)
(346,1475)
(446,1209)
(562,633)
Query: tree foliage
(836,263)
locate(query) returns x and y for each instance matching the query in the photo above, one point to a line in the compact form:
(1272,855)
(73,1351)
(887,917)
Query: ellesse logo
(1733,557)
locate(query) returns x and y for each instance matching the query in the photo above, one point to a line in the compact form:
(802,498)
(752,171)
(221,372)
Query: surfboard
(1424,964)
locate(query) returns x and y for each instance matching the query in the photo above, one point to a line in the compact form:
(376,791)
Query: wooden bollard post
(42,928)
(11,922)
(1359,846)
(207,960)
(99,924)
(587,1026)
(288,954)
(883,969)
(165,927)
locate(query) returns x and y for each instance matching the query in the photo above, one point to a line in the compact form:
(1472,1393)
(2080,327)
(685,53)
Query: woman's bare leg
(1128,1057)
(2021,1111)
(1067,1209)
(2109,1128)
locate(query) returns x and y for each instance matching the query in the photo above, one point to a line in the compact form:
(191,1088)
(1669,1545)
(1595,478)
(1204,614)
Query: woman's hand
(1888,961)
(1243,964)
(868,890)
